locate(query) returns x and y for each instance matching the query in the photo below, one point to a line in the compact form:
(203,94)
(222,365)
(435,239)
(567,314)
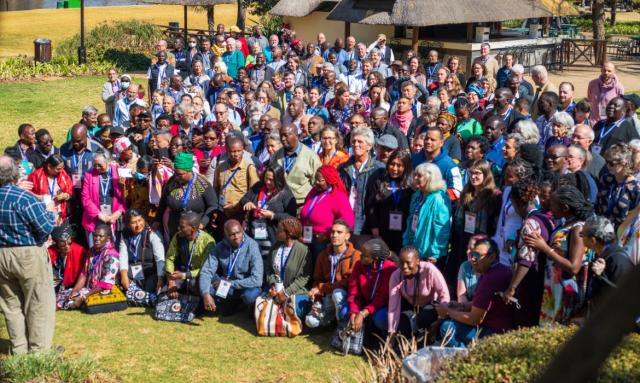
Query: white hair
(564,119)
(183,108)
(518,69)
(433,99)
(590,133)
(634,144)
(231,41)
(529,132)
(365,133)
(434,176)
(540,71)
(222,67)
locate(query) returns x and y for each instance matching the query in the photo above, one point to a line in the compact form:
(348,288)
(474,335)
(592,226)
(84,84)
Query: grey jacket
(373,170)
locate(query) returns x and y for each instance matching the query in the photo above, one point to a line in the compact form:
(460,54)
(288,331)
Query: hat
(388,141)
(475,88)
(634,98)
(382,36)
(116,131)
(61,233)
(125,76)
(396,63)
(144,114)
(120,145)
(184,161)
(328,66)
(296,42)
(234,29)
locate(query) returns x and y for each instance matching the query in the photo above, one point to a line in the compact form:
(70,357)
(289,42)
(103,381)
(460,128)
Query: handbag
(106,301)
(138,297)
(347,340)
(273,319)
(181,309)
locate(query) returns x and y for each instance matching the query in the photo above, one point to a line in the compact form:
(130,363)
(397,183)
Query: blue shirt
(494,154)
(82,162)
(24,219)
(247,269)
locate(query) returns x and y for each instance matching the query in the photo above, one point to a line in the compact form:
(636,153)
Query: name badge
(603,110)
(414,222)
(596,149)
(136,271)
(469,222)
(259,230)
(307,234)
(279,286)
(76,179)
(353,194)
(105,209)
(223,289)
(395,221)
(221,201)
(46,199)
(124,173)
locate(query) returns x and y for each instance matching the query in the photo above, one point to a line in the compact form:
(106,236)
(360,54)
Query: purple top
(499,317)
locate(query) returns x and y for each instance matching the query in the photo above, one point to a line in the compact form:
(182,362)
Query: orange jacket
(322,271)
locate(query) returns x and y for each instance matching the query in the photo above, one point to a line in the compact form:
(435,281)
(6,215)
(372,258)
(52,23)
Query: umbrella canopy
(189,2)
(422,13)
(297,8)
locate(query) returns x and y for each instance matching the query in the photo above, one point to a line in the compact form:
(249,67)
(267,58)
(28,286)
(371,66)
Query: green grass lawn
(133,347)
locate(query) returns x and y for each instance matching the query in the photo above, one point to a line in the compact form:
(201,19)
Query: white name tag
(596,149)
(46,199)
(105,209)
(76,179)
(469,222)
(223,289)
(414,222)
(259,230)
(395,221)
(125,173)
(353,194)
(136,271)
(307,234)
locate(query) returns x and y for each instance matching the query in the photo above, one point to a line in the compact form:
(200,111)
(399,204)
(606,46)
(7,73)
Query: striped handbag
(273,319)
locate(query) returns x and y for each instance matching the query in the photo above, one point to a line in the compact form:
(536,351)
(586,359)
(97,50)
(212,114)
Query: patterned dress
(562,291)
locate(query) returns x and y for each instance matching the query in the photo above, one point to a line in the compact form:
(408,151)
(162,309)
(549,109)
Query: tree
(614,10)
(597,16)
(240,20)
(210,22)
(259,7)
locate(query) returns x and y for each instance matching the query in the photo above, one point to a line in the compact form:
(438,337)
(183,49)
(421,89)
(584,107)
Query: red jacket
(41,186)
(75,262)
(362,282)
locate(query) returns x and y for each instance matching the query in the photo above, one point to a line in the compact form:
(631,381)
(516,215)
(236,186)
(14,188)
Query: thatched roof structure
(422,13)
(189,2)
(297,8)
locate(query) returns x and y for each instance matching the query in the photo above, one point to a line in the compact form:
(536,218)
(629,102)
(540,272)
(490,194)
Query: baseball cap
(388,141)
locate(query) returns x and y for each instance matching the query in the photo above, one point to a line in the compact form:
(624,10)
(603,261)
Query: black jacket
(625,132)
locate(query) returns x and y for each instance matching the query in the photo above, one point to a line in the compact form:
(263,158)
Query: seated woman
(137,189)
(331,277)
(187,252)
(326,202)
(141,257)
(413,287)
(52,183)
(289,267)
(369,288)
(67,261)
(467,278)
(100,271)
(488,314)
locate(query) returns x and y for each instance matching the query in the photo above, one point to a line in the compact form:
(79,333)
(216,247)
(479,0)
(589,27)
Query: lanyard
(611,201)
(75,163)
(432,69)
(335,260)
(186,193)
(24,155)
(134,243)
(290,160)
(52,186)
(396,194)
(317,198)
(263,200)
(604,133)
(104,186)
(60,265)
(356,172)
(283,261)
(228,181)
(416,280)
(630,232)
(507,206)
(233,259)
(193,249)
(375,284)
(419,206)
(94,263)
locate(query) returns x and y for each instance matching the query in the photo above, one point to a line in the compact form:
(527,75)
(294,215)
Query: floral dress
(101,269)
(562,292)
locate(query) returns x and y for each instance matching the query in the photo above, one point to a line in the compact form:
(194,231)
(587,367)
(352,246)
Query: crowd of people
(393,195)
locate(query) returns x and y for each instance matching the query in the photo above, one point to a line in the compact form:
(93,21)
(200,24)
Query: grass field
(135,348)
(19,29)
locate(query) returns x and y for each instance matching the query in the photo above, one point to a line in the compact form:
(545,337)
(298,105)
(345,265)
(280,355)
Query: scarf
(403,120)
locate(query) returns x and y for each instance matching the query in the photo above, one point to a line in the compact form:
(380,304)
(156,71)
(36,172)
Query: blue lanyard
(233,259)
(631,230)
(52,187)
(375,284)
(355,172)
(290,160)
(24,155)
(228,181)
(604,133)
(334,264)
(396,194)
(263,201)
(611,201)
(186,193)
(94,263)
(432,69)
(317,198)
(283,262)
(507,206)
(187,267)
(74,158)
(104,186)
(345,113)
(134,243)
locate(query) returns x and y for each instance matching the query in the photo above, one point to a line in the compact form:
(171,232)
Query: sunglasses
(554,157)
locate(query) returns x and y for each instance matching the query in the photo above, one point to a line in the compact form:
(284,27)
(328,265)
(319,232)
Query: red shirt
(74,264)
(364,292)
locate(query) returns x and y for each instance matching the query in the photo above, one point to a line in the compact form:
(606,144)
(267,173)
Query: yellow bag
(100,302)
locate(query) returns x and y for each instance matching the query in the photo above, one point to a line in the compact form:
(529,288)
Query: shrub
(127,44)
(521,355)
(51,367)
(630,28)
(22,67)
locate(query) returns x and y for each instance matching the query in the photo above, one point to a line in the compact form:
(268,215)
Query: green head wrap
(184,161)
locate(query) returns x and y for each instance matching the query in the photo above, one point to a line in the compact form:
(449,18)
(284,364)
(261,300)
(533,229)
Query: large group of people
(391,193)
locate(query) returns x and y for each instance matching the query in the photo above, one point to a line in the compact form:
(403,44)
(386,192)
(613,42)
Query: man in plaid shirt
(27,298)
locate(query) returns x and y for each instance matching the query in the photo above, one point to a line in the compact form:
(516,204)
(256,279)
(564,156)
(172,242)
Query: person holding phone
(52,183)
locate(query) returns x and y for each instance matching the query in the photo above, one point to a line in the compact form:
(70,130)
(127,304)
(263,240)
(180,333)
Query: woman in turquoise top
(233,58)
(428,225)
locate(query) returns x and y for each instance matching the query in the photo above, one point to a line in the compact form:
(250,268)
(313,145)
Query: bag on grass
(136,296)
(106,301)
(347,340)
(181,309)
(273,319)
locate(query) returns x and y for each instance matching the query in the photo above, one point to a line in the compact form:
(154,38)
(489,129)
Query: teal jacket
(431,237)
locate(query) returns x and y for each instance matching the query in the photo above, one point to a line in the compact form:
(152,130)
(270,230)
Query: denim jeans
(462,334)
(334,307)
(380,319)
(247,296)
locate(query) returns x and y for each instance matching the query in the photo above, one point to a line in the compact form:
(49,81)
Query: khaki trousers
(27,297)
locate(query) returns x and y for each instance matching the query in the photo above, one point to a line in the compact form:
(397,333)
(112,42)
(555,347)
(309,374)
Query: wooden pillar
(414,40)
(469,32)
(347,29)
(186,32)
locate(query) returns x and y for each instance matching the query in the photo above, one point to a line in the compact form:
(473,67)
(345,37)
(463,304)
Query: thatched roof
(422,13)
(189,2)
(297,8)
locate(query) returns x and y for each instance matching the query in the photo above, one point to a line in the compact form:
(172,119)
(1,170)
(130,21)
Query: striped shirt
(24,220)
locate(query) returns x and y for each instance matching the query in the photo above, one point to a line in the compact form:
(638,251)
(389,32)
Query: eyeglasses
(554,157)
(327,138)
(613,163)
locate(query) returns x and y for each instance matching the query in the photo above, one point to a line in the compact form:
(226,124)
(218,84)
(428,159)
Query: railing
(589,51)
(529,56)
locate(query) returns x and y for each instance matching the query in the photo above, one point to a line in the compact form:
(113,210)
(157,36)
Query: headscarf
(184,161)
(448,117)
(120,145)
(332,177)
(477,89)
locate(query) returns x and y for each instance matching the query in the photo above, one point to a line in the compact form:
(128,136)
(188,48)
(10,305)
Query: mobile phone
(161,153)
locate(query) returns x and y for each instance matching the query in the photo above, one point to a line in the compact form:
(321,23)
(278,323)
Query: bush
(51,367)
(127,44)
(22,67)
(630,28)
(521,355)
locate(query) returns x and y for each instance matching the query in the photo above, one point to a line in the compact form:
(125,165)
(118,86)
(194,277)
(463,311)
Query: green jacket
(177,257)
(297,274)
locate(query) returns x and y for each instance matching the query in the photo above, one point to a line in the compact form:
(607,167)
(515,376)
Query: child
(561,130)
(581,112)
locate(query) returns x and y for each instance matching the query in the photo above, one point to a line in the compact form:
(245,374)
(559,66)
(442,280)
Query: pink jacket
(91,197)
(327,209)
(599,96)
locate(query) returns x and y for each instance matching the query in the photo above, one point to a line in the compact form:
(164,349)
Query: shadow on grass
(5,346)
(149,311)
